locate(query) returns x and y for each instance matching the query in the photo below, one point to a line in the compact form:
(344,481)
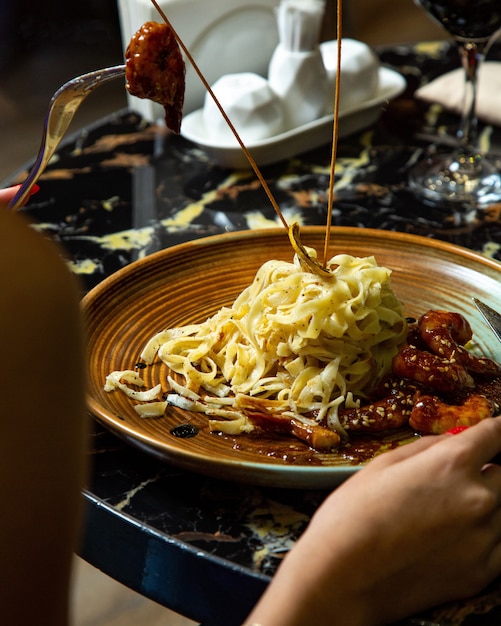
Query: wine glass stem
(472,55)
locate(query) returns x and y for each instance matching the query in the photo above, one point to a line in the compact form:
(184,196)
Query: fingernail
(456,430)
(34,189)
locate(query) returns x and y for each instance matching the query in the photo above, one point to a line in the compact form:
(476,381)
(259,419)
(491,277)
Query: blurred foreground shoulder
(43,422)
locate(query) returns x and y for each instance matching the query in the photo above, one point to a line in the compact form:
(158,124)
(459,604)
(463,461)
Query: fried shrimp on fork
(155,70)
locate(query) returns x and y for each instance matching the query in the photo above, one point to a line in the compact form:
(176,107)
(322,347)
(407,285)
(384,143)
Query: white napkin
(448,90)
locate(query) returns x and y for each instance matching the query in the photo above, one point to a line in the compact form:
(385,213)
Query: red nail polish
(34,189)
(456,430)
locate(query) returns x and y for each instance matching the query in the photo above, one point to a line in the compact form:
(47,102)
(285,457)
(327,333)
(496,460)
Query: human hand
(7,194)
(419,526)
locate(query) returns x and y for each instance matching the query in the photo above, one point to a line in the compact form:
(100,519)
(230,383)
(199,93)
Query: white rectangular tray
(297,140)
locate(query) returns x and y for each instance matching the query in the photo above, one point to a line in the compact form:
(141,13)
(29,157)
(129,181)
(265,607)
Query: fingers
(7,194)
(482,442)
(408,450)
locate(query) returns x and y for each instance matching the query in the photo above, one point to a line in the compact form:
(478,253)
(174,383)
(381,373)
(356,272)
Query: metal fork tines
(62,108)
(492,317)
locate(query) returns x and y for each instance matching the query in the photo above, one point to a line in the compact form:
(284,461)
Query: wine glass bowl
(469,20)
(467,175)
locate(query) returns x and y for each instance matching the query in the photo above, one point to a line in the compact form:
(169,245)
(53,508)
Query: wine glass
(466,175)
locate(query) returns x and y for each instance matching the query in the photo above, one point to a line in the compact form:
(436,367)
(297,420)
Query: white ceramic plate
(298,140)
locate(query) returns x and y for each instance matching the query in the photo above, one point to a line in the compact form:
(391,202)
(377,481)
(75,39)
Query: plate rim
(202,242)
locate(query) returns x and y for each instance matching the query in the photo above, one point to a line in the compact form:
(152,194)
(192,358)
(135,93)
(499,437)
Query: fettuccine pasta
(294,343)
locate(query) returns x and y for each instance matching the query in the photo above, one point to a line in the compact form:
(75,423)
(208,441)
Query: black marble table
(122,189)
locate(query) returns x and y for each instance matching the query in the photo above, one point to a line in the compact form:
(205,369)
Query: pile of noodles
(294,342)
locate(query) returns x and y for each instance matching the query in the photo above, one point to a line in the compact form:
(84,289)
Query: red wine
(466,19)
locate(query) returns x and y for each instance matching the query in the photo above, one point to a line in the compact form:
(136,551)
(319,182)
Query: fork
(62,108)
(492,317)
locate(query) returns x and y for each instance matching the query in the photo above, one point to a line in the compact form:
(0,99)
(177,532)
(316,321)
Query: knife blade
(492,317)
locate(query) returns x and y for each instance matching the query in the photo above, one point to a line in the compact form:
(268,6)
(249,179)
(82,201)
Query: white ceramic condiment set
(300,84)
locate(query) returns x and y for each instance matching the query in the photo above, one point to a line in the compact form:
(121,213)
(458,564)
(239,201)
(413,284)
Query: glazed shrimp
(446,333)
(431,370)
(432,416)
(392,411)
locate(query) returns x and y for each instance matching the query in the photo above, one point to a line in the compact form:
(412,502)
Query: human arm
(417,527)
(43,421)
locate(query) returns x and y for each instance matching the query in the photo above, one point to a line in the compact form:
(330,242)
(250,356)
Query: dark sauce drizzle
(185,431)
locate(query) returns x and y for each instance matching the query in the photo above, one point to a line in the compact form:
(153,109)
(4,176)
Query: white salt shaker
(297,72)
